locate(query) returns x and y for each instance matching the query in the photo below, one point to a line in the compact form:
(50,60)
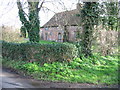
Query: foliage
(23,31)
(89,18)
(79,46)
(96,69)
(11,35)
(39,52)
(94,14)
(110,18)
(32,24)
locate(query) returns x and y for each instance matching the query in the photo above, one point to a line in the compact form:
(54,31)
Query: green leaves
(41,53)
(110,11)
(86,70)
(32,24)
(96,69)
(31,67)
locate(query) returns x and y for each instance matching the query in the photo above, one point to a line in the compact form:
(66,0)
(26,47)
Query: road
(13,80)
(10,80)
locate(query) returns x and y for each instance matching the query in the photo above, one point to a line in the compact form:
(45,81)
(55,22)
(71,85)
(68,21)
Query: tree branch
(41,5)
(22,14)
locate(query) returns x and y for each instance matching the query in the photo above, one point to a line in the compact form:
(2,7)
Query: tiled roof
(64,18)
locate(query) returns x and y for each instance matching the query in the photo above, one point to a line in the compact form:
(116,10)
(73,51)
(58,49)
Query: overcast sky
(9,11)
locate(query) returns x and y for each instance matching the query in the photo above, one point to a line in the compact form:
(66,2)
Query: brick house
(55,28)
(68,21)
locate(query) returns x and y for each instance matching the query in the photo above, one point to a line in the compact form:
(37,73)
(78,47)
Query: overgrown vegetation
(94,14)
(39,52)
(11,35)
(54,61)
(31,23)
(110,19)
(89,18)
(96,70)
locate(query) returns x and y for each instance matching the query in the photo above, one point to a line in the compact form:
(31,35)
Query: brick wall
(56,33)
(73,31)
(51,33)
(105,41)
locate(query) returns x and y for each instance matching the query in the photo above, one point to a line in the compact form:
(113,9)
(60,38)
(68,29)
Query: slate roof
(64,18)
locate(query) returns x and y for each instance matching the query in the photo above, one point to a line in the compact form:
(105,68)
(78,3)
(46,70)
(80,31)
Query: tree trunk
(89,16)
(31,25)
(87,40)
(34,21)
(66,35)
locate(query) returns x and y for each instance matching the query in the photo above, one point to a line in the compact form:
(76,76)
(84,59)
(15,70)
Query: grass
(96,70)
(47,42)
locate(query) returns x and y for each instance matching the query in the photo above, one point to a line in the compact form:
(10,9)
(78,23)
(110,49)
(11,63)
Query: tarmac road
(10,80)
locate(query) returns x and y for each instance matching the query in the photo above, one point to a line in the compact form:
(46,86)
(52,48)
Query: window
(59,37)
(51,33)
(46,28)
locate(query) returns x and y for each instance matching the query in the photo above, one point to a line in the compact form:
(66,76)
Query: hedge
(39,52)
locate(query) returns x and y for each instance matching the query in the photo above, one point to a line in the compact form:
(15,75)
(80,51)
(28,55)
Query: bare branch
(41,5)
(22,13)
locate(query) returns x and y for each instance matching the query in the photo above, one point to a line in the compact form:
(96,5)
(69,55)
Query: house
(70,21)
(63,23)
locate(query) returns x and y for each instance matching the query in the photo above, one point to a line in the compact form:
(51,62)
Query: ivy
(23,31)
(89,18)
(32,24)
(39,52)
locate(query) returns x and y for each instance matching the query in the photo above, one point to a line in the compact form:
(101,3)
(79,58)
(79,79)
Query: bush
(39,52)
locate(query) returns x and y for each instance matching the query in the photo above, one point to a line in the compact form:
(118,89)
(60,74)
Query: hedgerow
(39,52)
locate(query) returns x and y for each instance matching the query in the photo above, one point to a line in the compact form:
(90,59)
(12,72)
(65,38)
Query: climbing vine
(90,18)
(32,24)
(23,31)
(95,14)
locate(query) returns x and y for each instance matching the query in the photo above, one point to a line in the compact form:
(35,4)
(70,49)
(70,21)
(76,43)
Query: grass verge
(96,70)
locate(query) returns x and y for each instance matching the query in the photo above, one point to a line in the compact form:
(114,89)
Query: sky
(9,11)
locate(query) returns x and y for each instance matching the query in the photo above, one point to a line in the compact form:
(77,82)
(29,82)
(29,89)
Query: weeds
(97,70)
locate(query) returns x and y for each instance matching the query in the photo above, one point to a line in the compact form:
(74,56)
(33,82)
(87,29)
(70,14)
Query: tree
(66,35)
(89,17)
(32,24)
(23,31)
(110,19)
(94,14)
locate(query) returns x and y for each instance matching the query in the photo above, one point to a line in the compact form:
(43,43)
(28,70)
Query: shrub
(39,52)
(10,34)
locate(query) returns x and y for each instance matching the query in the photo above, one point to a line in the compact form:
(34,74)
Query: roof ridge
(65,11)
(62,17)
